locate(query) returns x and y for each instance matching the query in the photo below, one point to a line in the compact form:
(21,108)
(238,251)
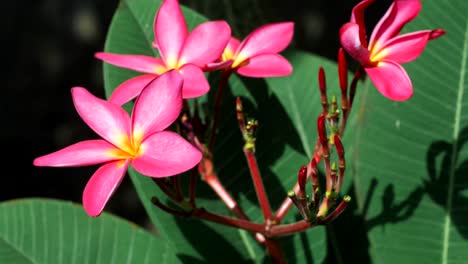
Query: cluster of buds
(322,207)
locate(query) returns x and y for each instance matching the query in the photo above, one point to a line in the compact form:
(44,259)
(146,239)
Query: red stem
(258,183)
(275,251)
(244,224)
(217,109)
(206,171)
(288,229)
(193,187)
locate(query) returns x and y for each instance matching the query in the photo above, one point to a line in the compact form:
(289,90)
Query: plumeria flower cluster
(144,140)
(141,139)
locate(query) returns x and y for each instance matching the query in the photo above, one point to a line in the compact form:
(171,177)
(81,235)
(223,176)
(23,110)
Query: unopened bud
(302,177)
(323,90)
(322,132)
(339,146)
(342,71)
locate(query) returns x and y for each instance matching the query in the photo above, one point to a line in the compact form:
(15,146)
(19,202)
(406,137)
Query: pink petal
(139,63)
(399,13)
(166,154)
(195,83)
(84,153)
(349,38)
(391,80)
(232,45)
(267,65)
(108,120)
(215,66)
(271,38)
(170,31)
(405,48)
(357,16)
(158,105)
(205,43)
(102,185)
(130,89)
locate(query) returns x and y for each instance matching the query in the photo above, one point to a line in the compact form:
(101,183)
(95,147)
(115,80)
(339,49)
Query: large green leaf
(286,108)
(411,159)
(49,231)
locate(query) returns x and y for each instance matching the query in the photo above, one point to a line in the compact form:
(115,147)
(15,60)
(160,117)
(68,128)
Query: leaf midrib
(21,252)
(456,129)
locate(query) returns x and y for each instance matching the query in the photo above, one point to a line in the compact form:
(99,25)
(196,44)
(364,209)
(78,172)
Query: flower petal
(407,47)
(195,83)
(391,80)
(205,43)
(399,13)
(170,31)
(349,38)
(271,38)
(84,153)
(215,66)
(266,65)
(130,89)
(108,120)
(166,154)
(102,185)
(231,47)
(357,16)
(139,63)
(158,105)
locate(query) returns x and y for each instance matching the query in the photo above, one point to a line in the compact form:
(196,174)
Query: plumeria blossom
(257,55)
(387,50)
(185,52)
(139,140)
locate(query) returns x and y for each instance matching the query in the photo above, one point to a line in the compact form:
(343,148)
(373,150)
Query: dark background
(48,48)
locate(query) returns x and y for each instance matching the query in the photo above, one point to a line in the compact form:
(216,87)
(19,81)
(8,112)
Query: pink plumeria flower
(387,49)
(257,55)
(139,140)
(185,52)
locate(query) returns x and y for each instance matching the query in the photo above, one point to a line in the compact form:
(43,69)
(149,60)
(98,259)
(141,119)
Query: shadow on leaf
(447,178)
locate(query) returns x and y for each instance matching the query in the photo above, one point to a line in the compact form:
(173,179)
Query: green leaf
(410,159)
(50,231)
(286,108)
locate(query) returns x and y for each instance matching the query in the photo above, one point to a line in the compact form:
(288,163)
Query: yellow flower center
(129,148)
(376,53)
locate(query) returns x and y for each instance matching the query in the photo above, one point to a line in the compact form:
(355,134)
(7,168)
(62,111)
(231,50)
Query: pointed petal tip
(38,162)
(436,33)
(99,55)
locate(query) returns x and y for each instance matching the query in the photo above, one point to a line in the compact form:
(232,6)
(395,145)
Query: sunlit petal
(108,120)
(170,31)
(271,38)
(349,38)
(267,65)
(130,89)
(232,47)
(139,63)
(158,105)
(391,80)
(166,154)
(205,43)
(102,185)
(399,13)
(84,153)
(195,83)
(407,47)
